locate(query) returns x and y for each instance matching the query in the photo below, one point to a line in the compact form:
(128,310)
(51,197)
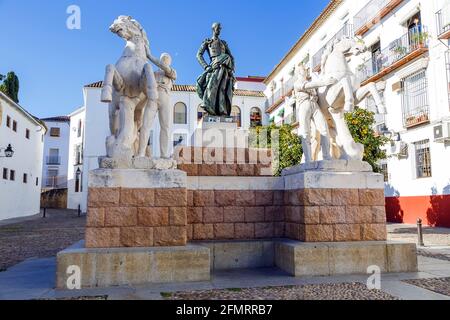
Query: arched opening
(255,117)
(236,115)
(180,113)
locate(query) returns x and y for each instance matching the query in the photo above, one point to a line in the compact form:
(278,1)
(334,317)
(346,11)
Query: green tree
(286,145)
(10,86)
(289,152)
(361,122)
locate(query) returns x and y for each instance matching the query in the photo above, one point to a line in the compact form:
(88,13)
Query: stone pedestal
(134,266)
(217,132)
(334,201)
(136,208)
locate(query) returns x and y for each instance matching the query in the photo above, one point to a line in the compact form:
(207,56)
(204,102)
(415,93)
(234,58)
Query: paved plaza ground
(28,248)
(35,237)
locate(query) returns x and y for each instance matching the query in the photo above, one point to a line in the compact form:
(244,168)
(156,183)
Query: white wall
(19,199)
(62,144)
(75,198)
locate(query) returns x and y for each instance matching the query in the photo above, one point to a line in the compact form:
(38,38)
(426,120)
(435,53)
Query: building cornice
(192,88)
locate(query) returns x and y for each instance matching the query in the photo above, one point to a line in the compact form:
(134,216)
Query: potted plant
(410,121)
(419,39)
(400,50)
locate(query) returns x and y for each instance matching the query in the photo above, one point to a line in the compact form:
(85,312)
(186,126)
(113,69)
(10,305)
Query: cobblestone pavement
(342,291)
(439,285)
(39,238)
(408,233)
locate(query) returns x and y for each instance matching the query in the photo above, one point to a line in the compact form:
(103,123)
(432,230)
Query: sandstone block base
(134,266)
(334,201)
(136,208)
(229,255)
(340,258)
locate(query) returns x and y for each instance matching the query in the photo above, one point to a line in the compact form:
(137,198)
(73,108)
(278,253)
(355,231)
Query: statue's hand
(208,68)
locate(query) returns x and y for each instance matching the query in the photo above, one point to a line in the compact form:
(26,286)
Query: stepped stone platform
(231,162)
(319,219)
(195,262)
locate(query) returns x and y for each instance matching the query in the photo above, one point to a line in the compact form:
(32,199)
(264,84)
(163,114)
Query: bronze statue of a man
(215,86)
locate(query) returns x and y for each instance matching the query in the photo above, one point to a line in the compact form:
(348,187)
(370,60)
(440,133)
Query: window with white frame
(423,159)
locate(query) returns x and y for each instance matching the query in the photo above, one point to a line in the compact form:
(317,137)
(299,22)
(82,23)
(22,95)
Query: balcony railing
(412,41)
(281,93)
(289,85)
(443,22)
(346,31)
(372,13)
(58,182)
(53,160)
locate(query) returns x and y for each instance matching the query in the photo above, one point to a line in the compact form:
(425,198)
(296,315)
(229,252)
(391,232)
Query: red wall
(433,210)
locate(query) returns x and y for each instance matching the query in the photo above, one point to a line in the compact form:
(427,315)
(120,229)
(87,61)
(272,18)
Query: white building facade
(75,196)
(408,48)
(248,110)
(20,180)
(56,152)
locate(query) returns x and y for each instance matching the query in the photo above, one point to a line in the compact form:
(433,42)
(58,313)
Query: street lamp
(9,152)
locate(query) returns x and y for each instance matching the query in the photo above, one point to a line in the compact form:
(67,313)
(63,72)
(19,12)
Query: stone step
(224,162)
(227,170)
(198,155)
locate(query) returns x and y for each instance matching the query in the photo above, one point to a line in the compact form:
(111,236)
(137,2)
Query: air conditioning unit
(398,149)
(442,132)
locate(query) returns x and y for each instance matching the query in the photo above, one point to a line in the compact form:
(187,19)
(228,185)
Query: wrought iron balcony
(398,53)
(345,31)
(289,86)
(443,23)
(279,95)
(58,182)
(53,160)
(372,14)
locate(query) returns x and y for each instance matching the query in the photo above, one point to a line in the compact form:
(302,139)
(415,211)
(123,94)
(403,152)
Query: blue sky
(53,63)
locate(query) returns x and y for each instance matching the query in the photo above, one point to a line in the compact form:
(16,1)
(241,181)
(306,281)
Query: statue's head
(128,28)
(349,46)
(217,28)
(301,71)
(166,59)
